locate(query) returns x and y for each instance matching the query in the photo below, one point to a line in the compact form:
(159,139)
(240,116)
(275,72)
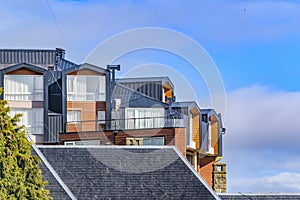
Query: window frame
(154,138)
(20,82)
(73,121)
(73,86)
(35,114)
(144,118)
(102,120)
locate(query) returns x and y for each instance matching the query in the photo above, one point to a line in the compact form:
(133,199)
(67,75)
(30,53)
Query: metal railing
(125,124)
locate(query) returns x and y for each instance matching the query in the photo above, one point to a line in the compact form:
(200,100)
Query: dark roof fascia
(27,50)
(209,111)
(65,64)
(24,65)
(163,79)
(85,66)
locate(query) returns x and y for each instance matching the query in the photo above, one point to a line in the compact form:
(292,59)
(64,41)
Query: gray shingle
(84,172)
(56,191)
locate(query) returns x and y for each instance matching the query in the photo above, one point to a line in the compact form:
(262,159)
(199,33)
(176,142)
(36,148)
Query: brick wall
(173,136)
(180,139)
(106,138)
(88,113)
(206,168)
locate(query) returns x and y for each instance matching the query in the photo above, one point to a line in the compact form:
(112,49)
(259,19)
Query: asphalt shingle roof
(57,192)
(124,173)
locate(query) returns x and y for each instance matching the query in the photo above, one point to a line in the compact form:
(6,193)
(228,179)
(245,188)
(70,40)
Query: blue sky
(255,45)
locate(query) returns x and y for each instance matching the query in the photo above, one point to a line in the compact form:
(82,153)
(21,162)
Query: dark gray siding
(42,58)
(132,98)
(151,89)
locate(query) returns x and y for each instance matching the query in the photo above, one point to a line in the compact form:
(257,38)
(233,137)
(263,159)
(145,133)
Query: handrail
(127,123)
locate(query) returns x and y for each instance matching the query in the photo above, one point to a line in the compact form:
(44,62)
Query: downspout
(110,84)
(108,100)
(47,133)
(64,100)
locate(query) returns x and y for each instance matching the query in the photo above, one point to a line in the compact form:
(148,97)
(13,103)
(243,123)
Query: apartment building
(70,104)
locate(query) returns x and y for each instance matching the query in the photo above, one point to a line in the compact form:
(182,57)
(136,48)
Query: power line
(55,21)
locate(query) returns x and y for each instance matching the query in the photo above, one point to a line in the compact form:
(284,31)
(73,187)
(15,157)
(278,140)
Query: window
(85,88)
(69,143)
(101,117)
(205,138)
(82,142)
(159,141)
(191,158)
(32,119)
(73,116)
(23,87)
(205,118)
(138,118)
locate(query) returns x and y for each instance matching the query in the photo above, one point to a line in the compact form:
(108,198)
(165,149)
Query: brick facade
(206,168)
(173,136)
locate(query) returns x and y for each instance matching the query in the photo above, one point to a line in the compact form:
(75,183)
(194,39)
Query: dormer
(159,88)
(24,89)
(211,132)
(86,82)
(190,112)
(23,82)
(86,91)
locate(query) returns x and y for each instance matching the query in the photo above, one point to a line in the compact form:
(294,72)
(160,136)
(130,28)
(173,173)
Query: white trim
(69,143)
(52,171)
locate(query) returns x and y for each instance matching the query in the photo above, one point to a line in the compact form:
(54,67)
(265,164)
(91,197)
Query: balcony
(125,124)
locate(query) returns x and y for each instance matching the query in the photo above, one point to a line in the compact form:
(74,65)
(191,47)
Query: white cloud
(283,182)
(262,140)
(258,117)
